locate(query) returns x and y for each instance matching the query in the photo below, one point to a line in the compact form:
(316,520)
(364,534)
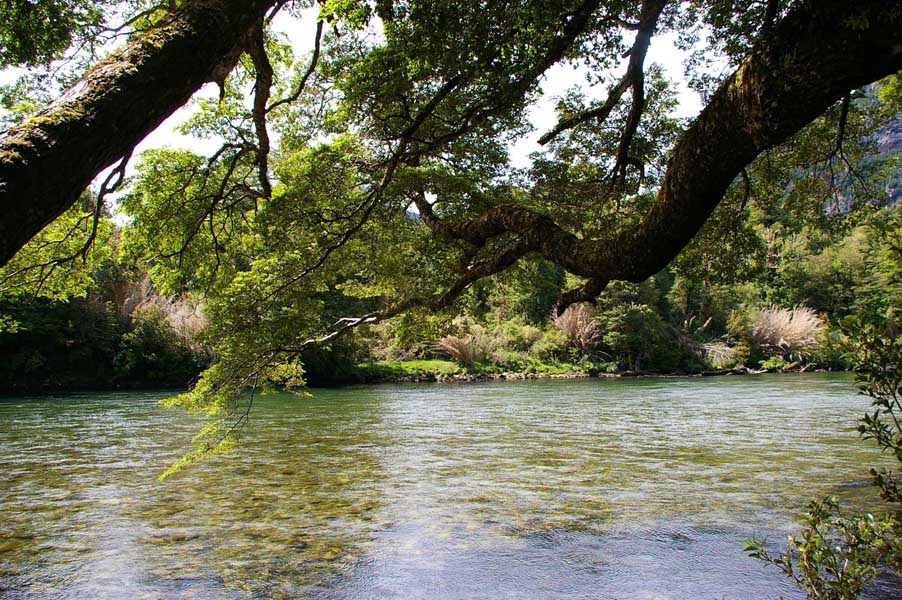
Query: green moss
(10,156)
(53,118)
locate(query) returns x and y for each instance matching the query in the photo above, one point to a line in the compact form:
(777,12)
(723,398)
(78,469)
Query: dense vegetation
(119,334)
(779,313)
(776,312)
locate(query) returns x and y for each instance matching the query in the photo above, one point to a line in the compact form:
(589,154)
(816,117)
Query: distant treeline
(121,335)
(771,304)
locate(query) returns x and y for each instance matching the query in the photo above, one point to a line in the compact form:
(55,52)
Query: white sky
(542,116)
(558,79)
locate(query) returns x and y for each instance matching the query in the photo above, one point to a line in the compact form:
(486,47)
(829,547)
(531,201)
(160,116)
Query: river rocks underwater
(596,488)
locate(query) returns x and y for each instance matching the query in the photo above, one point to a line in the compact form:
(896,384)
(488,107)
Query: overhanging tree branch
(770,97)
(49,159)
(632,78)
(262,87)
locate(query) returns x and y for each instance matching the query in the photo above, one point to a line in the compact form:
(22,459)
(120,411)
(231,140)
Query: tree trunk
(49,159)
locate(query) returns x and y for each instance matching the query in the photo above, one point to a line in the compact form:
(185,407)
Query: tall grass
(718,354)
(794,332)
(183,314)
(464,350)
(578,323)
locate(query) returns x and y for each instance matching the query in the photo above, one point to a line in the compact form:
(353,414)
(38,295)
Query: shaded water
(610,489)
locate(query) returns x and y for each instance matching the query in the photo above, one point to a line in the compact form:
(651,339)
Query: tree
(422,114)
(798,66)
(47,160)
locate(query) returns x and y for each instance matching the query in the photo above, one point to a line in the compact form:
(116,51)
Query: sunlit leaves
(575,178)
(730,248)
(58,263)
(35,31)
(192,217)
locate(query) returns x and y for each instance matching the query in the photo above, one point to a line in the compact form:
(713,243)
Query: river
(637,489)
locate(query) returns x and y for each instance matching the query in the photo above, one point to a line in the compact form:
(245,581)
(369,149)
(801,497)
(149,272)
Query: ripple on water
(639,489)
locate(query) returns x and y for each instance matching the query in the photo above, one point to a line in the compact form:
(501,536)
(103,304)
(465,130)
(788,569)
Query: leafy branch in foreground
(838,553)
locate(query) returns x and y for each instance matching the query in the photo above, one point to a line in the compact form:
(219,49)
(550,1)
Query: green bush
(776,363)
(58,344)
(636,334)
(152,353)
(519,336)
(512,361)
(553,345)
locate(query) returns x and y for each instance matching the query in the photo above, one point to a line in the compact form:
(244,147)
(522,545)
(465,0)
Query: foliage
(834,556)
(719,355)
(465,350)
(122,333)
(58,263)
(635,333)
(553,345)
(35,31)
(333,363)
(838,552)
(58,345)
(154,353)
(389,369)
(777,363)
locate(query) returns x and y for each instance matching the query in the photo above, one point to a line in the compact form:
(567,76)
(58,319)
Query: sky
(556,81)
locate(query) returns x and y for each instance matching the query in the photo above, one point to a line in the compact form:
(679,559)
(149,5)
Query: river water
(610,489)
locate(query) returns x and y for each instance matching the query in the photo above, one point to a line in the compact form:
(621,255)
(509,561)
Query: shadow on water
(590,489)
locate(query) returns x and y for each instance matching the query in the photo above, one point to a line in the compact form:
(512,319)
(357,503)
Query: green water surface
(614,489)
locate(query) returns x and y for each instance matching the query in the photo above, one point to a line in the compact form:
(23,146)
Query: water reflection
(586,489)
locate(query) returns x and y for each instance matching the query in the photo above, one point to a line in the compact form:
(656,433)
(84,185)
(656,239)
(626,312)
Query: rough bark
(800,67)
(46,161)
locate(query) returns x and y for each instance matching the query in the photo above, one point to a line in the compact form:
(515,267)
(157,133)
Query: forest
(269,249)
(776,305)
(360,217)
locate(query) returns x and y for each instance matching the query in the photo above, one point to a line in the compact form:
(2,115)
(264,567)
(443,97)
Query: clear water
(609,489)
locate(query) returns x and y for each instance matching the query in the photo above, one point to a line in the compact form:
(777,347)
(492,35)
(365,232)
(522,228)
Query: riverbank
(440,371)
(421,371)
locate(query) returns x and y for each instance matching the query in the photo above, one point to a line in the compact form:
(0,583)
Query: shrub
(637,335)
(790,333)
(552,346)
(719,355)
(830,353)
(510,360)
(776,363)
(154,353)
(516,335)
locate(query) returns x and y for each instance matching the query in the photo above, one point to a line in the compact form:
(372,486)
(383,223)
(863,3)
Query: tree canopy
(372,176)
